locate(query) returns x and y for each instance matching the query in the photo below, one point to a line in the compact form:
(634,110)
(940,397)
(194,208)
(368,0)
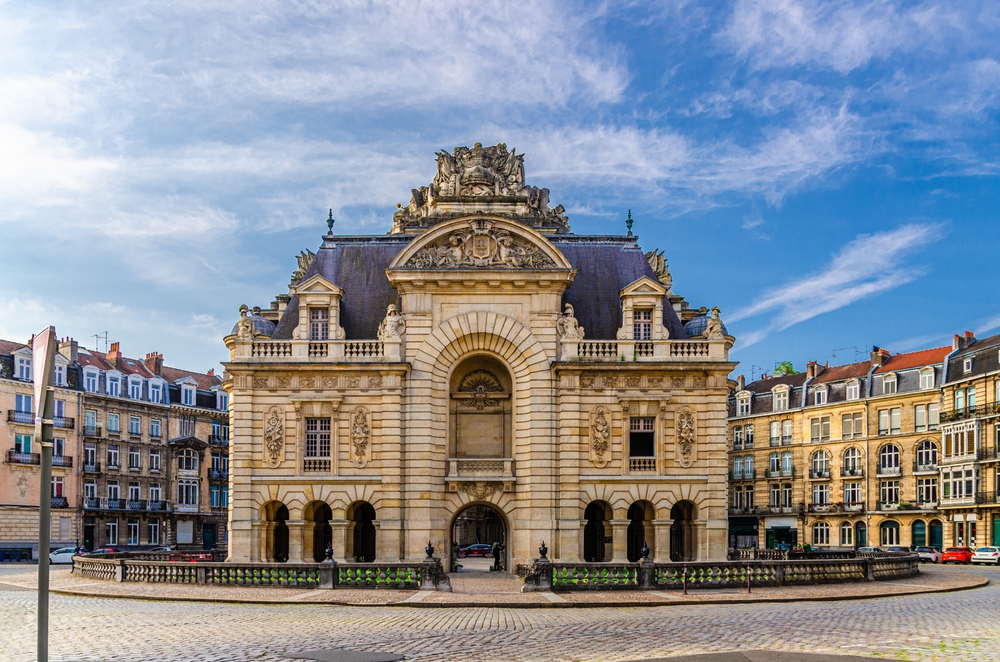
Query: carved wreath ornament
(360,437)
(600,437)
(481,245)
(273,435)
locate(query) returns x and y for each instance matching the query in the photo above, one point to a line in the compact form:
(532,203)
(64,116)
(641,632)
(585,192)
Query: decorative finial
(330,222)
(628,223)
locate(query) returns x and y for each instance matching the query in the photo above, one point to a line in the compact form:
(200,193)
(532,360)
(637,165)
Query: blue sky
(825,172)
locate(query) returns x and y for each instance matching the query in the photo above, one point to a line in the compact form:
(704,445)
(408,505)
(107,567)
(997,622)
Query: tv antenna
(858,352)
(97,337)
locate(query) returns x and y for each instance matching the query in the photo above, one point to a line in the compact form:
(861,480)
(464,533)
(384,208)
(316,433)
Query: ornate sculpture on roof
(659,266)
(567,327)
(393,326)
(481,245)
(304,259)
(481,179)
(714,329)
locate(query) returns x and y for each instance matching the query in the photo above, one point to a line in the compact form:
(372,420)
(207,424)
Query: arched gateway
(478,374)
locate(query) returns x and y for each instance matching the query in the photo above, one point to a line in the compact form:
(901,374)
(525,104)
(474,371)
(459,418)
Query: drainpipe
(805,495)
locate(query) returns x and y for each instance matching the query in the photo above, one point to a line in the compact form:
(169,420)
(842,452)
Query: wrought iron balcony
(786,440)
(925,467)
(59,502)
(93,503)
(988,453)
(887,505)
(64,423)
(14,457)
(857,472)
(114,504)
(135,504)
(990,409)
(787,510)
(821,508)
(745,474)
(93,468)
(819,474)
(987,497)
(92,431)
(218,440)
(218,474)
(62,461)
(24,417)
(888,472)
(158,505)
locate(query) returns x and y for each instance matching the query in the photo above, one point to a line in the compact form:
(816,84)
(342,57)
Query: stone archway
(683,536)
(362,534)
(598,515)
(475,525)
(639,513)
(275,515)
(319,515)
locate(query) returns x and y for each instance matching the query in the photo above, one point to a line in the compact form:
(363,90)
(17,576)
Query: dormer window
(155,392)
(853,390)
(60,375)
(187,395)
(24,369)
(819,397)
(114,386)
(743,406)
(135,388)
(967,365)
(926,378)
(319,323)
(889,385)
(642,323)
(221,400)
(90,381)
(780,399)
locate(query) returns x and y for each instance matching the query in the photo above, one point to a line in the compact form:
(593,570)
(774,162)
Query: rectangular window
(786,433)
(927,490)
(90,422)
(222,401)
(154,460)
(57,486)
(920,418)
(853,391)
(775,433)
(154,492)
(970,398)
(24,369)
(781,401)
(134,426)
(224,501)
(215,492)
(748,496)
(642,324)
(821,494)
(889,491)
(774,463)
(821,429)
(960,400)
(820,397)
(59,375)
(894,420)
(738,437)
(134,458)
(89,488)
(114,423)
(90,382)
(111,529)
(641,437)
(22,403)
(154,428)
(889,384)
(133,532)
(748,436)
(112,455)
(883,422)
(90,456)
(187,395)
(155,392)
(933,416)
(318,437)
(927,379)
(22,443)
(154,532)
(852,493)
(114,386)
(113,490)
(319,324)
(786,495)
(135,389)
(216,462)
(786,463)
(133,491)
(743,406)
(737,468)
(775,493)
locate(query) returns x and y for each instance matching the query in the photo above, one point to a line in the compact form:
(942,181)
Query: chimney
(812,369)
(211,372)
(70,349)
(879,356)
(741,383)
(114,356)
(154,363)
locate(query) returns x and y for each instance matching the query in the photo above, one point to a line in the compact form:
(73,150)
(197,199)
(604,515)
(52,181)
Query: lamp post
(44,347)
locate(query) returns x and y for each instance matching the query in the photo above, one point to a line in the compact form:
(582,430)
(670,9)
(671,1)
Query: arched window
(927,454)
(821,533)
(889,384)
(821,464)
(187,460)
(889,533)
(852,462)
(846,535)
(187,492)
(888,458)
(919,533)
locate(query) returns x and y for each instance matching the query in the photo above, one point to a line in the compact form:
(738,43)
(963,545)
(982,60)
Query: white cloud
(868,265)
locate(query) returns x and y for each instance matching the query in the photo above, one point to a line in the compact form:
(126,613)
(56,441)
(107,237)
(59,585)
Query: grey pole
(44,353)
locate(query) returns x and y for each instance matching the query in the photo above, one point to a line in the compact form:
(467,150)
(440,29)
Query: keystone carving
(481,491)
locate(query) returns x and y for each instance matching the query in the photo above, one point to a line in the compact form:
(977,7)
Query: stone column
(620,528)
(254,546)
(661,552)
(703,545)
(296,542)
(267,543)
(340,527)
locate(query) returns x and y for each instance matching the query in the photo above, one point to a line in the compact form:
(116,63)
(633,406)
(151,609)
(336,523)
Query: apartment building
(970,442)
(841,456)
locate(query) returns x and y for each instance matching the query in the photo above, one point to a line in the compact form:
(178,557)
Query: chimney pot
(154,363)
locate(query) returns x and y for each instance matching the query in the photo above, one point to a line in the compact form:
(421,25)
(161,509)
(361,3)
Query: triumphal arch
(478,374)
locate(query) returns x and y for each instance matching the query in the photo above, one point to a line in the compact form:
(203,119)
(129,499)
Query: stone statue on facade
(658,264)
(244,328)
(713,330)
(360,433)
(393,326)
(600,433)
(567,327)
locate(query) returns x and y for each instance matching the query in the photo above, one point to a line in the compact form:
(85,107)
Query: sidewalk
(484,589)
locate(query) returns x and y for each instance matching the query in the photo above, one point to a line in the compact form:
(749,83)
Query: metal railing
(93,503)
(92,431)
(988,453)
(15,457)
(62,461)
(25,417)
(218,474)
(851,473)
(988,409)
(882,472)
(94,468)
(745,474)
(60,502)
(987,497)
(819,474)
(919,467)
(64,423)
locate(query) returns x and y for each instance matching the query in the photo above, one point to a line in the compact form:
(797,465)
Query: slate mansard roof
(985,355)
(357,264)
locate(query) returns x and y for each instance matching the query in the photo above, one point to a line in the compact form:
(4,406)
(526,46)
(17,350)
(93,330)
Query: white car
(987,555)
(64,555)
(929,554)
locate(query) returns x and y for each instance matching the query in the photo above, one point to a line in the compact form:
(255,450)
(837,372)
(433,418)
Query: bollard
(684,579)
(749,577)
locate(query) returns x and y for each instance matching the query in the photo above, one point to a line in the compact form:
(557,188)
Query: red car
(104,550)
(957,555)
(476,550)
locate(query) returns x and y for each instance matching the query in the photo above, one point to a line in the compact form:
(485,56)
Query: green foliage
(785,368)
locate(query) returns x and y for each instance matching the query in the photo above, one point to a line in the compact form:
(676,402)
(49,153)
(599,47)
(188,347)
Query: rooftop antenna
(755,370)
(857,352)
(97,337)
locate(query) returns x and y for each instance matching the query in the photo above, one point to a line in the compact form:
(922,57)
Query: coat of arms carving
(482,245)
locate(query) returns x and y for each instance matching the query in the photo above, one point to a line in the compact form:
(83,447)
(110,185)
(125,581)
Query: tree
(784,368)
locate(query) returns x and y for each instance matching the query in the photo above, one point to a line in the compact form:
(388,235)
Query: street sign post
(44,348)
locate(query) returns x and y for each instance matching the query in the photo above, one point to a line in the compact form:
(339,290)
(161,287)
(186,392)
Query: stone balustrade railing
(647,350)
(425,575)
(471,467)
(547,576)
(313,351)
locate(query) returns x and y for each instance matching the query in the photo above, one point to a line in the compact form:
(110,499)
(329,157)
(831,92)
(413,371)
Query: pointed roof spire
(628,223)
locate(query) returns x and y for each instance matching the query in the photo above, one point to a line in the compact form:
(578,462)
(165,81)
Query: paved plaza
(944,626)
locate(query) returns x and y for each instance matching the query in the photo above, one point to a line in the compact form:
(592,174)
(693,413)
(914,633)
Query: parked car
(104,550)
(476,550)
(957,555)
(987,555)
(932,554)
(897,550)
(160,550)
(63,555)
(870,550)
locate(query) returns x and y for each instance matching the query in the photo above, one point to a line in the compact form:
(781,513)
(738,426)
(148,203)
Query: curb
(979,582)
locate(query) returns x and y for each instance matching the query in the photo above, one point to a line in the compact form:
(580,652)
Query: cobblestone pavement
(944,626)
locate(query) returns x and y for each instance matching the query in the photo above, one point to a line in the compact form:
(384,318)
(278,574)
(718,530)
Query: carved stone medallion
(375,381)
(632,381)
(274,436)
(260,382)
(481,491)
(587,380)
(306,382)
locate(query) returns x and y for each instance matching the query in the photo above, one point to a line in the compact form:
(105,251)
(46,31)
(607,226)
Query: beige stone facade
(478,388)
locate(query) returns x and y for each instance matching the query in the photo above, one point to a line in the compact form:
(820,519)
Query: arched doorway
(936,534)
(320,515)
(473,533)
(638,513)
(598,515)
(918,533)
(362,518)
(279,546)
(683,540)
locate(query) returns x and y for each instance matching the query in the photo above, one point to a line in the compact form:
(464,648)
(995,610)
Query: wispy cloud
(868,265)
